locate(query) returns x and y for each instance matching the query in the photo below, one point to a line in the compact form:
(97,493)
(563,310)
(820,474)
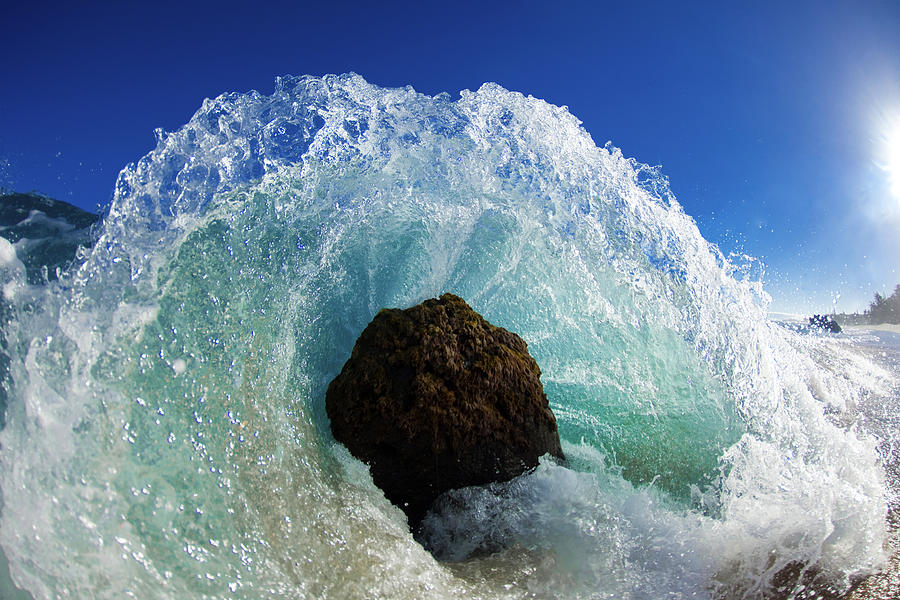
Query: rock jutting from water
(435,398)
(45,232)
(825,323)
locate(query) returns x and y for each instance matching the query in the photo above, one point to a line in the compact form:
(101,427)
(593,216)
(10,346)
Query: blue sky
(769,118)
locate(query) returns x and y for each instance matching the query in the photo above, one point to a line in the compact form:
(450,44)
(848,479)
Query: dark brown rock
(435,398)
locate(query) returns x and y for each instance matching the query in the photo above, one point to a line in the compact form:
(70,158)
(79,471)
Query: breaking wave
(166,434)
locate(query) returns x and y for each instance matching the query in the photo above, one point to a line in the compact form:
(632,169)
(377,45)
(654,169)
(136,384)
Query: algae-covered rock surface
(435,398)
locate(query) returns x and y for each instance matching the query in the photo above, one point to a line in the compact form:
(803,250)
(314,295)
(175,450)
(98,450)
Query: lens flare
(891,156)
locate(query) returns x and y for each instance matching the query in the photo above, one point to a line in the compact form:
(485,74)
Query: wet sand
(881,586)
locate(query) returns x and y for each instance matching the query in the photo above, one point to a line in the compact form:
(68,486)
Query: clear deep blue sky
(767,117)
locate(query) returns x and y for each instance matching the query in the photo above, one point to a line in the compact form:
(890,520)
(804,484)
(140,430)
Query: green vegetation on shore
(882,309)
(885,310)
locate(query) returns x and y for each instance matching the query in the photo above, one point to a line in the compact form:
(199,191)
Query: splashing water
(166,434)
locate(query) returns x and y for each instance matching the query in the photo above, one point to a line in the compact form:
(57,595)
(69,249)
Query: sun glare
(891,157)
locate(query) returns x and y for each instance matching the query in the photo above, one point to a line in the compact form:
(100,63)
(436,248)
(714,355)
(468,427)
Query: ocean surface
(165,433)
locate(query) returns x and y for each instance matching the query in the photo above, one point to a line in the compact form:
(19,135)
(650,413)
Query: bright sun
(891,158)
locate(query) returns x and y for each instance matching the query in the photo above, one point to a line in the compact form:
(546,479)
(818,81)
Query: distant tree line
(882,309)
(885,309)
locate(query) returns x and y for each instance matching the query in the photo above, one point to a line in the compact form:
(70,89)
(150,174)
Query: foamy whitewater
(166,434)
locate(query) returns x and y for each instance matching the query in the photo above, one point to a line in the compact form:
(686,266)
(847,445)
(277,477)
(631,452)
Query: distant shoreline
(880,327)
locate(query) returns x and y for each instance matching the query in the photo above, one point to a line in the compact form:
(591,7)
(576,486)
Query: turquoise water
(166,434)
